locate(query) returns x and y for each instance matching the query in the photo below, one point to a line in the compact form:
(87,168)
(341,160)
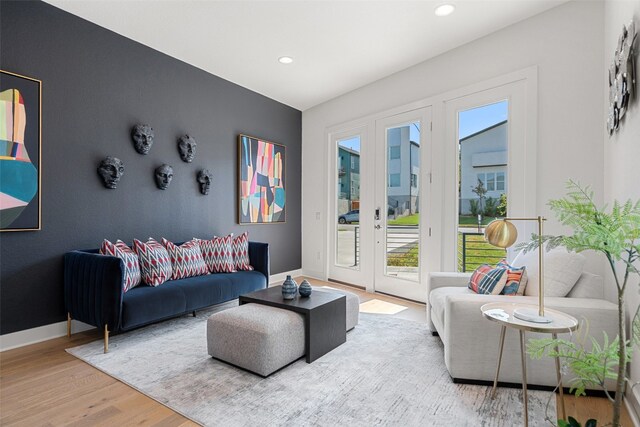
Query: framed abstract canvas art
(262,198)
(20,152)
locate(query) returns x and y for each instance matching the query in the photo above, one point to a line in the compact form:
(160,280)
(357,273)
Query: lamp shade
(501,233)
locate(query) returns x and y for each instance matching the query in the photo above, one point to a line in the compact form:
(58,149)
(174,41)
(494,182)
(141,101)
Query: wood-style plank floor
(43,385)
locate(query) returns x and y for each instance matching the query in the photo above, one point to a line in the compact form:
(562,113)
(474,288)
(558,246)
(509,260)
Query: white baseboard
(56,330)
(277,279)
(631,407)
(39,334)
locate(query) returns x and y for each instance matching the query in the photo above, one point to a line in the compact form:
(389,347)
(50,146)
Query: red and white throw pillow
(240,249)
(155,263)
(131,264)
(186,259)
(218,254)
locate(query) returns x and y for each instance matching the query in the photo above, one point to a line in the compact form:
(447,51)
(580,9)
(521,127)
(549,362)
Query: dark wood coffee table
(325,317)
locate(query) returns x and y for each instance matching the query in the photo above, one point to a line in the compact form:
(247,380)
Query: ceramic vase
(305,288)
(289,288)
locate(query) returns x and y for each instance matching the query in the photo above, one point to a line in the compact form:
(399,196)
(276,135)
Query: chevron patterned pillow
(218,254)
(155,263)
(241,252)
(131,264)
(186,259)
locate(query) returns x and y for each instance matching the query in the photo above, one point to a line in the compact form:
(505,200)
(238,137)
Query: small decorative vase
(305,288)
(289,288)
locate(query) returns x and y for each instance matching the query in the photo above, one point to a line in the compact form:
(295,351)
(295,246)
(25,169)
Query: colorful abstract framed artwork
(262,180)
(20,152)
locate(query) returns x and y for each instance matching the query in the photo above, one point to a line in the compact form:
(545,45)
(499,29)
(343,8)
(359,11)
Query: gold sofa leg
(68,325)
(106,339)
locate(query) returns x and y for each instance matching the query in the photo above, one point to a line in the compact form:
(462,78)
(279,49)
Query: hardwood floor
(43,385)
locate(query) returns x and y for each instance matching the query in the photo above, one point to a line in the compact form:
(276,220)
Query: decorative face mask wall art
(164,175)
(142,136)
(622,77)
(111,170)
(204,179)
(187,148)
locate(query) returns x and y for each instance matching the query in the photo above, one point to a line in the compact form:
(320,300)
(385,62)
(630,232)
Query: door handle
(377,216)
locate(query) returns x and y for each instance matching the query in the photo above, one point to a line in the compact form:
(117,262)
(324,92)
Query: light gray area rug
(390,372)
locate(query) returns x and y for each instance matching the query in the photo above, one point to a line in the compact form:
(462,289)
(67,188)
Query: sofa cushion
(218,254)
(186,259)
(155,264)
(438,296)
(147,304)
(562,270)
(203,291)
(488,280)
(240,248)
(131,265)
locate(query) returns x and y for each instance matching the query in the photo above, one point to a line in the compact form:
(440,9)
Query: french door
(402,203)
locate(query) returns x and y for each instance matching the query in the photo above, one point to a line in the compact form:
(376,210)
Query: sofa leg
(194,313)
(68,325)
(106,339)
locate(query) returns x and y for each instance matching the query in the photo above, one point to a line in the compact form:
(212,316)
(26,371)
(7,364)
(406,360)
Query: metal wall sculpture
(621,77)
(111,170)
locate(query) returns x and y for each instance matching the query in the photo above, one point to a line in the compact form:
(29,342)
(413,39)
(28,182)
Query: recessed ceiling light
(285,60)
(444,10)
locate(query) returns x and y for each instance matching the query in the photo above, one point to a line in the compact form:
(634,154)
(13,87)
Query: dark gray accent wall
(96,86)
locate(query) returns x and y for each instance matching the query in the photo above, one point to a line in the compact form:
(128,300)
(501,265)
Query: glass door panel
(482,181)
(347,238)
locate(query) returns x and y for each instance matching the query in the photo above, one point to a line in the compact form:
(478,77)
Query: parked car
(349,217)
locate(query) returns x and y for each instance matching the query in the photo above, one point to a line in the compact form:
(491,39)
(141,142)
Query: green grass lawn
(405,220)
(472,221)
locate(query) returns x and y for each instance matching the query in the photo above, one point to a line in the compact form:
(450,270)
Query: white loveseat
(471,342)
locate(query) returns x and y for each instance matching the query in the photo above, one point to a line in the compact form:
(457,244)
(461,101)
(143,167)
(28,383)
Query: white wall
(565,43)
(622,149)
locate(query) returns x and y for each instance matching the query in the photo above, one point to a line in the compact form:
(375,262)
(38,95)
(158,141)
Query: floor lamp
(502,233)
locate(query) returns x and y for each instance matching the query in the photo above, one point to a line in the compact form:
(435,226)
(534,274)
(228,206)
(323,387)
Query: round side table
(502,313)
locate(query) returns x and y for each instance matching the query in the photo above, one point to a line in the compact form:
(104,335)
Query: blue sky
(476,119)
(470,122)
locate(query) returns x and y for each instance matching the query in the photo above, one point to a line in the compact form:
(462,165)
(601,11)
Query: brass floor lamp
(503,234)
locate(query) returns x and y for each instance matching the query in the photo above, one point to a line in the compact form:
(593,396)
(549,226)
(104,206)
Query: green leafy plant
(502,206)
(474,207)
(615,234)
(572,422)
(491,207)
(480,191)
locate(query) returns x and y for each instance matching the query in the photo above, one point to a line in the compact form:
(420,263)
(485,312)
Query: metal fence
(474,251)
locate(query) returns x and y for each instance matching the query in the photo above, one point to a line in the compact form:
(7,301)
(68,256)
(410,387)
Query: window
(491,183)
(500,181)
(394,180)
(394,153)
(414,180)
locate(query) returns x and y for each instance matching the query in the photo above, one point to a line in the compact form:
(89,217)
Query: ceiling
(337,46)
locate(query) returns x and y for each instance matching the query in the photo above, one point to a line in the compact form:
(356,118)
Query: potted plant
(615,234)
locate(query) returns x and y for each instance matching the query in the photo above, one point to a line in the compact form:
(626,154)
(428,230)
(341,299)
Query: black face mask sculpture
(204,179)
(187,148)
(111,170)
(142,136)
(164,175)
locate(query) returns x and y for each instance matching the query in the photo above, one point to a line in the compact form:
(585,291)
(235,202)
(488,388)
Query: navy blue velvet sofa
(93,291)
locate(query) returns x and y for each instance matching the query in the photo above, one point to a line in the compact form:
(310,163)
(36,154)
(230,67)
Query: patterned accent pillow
(240,249)
(186,259)
(488,280)
(155,263)
(218,254)
(516,279)
(131,264)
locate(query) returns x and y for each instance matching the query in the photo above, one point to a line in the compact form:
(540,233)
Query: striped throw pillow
(516,279)
(155,263)
(241,252)
(488,280)
(186,259)
(130,259)
(218,254)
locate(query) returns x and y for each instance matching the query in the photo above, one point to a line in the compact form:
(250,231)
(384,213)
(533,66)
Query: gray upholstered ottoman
(256,337)
(353,305)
